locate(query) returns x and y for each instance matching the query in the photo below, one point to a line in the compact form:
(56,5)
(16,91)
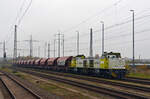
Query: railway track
(6,93)
(128,79)
(104,81)
(16,89)
(137,80)
(91,87)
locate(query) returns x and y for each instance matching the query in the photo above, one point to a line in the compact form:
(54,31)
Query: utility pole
(20,51)
(63,44)
(91,42)
(1,43)
(4,50)
(60,39)
(31,45)
(19,54)
(54,48)
(139,57)
(59,44)
(38,51)
(133,36)
(45,49)
(102,37)
(15,43)
(48,50)
(77,42)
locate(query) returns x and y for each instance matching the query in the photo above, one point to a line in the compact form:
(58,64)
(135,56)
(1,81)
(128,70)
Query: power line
(137,32)
(122,23)
(31,45)
(26,10)
(115,37)
(123,35)
(20,10)
(48,50)
(84,21)
(112,26)
(31,3)
(114,44)
(127,42)
(12,26)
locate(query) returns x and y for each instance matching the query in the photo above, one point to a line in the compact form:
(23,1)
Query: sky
(46,18)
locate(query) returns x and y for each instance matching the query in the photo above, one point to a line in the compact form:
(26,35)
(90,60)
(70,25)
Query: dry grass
(50,87)
(5,69)
(140,71)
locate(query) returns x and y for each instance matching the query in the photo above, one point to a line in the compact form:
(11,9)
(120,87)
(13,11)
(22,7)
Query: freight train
(108,65)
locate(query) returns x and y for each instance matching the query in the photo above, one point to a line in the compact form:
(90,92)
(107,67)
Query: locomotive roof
(112,53)
(80,56)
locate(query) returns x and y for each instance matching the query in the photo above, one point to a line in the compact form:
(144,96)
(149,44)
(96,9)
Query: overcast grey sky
(46,17)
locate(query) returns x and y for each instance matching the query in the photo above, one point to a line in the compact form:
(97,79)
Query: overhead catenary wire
(110,27)
(9,35)
(99,31)
(114,44)
(120,24)
(26,10)
(20,10)
(97,14)
(114,37)
(15,22)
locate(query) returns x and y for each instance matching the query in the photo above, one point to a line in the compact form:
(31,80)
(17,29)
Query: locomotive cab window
(111,56)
